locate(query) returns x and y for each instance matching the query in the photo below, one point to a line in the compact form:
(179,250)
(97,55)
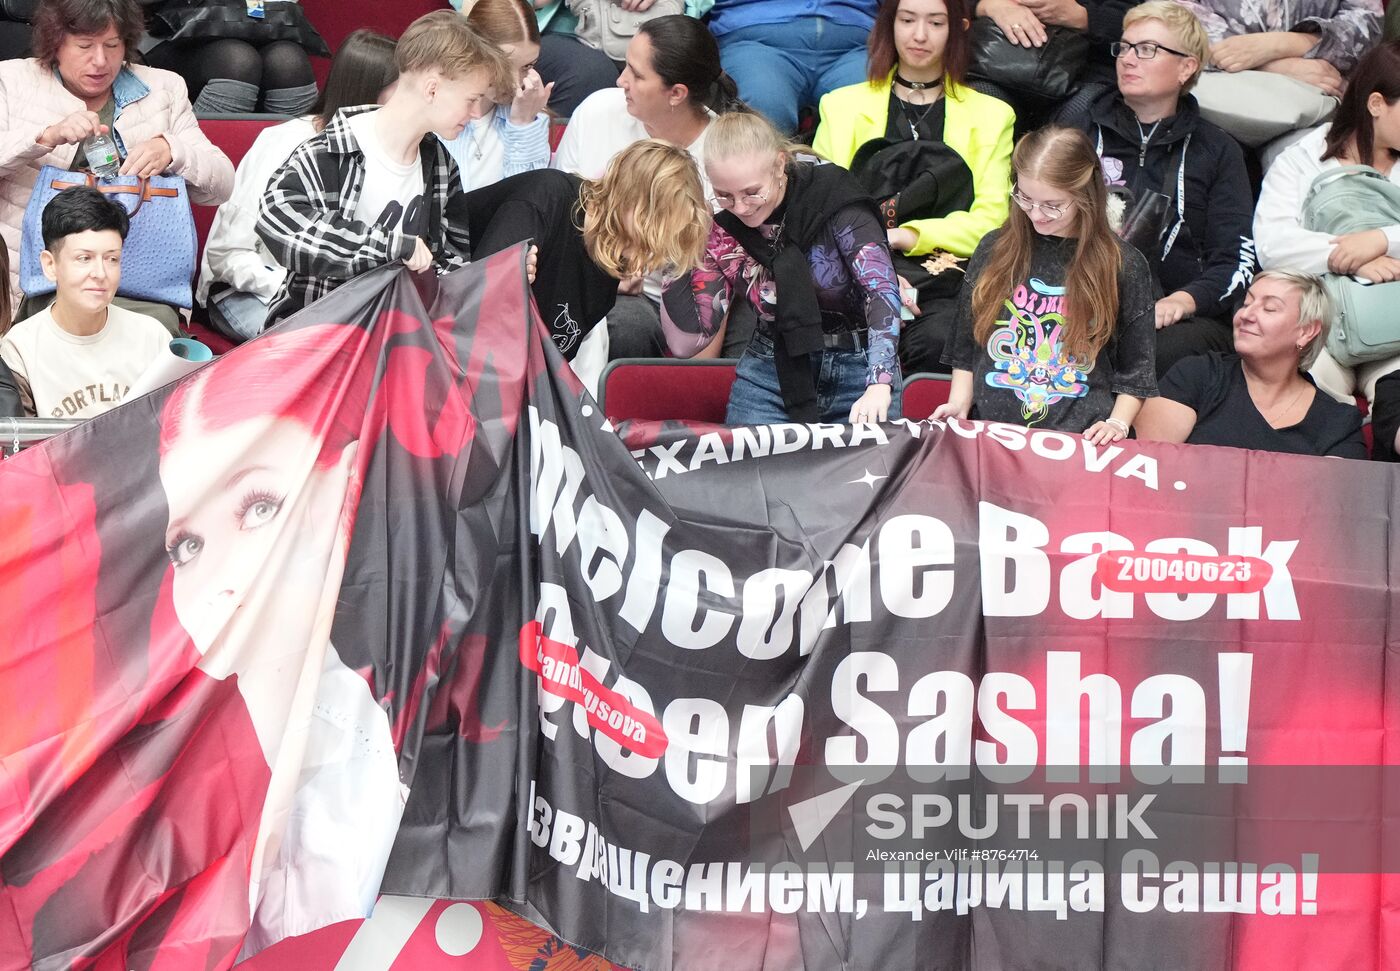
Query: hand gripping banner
(380,602)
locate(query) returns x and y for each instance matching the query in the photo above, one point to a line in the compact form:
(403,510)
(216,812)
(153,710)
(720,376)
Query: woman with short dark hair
(55,21)
(82,81)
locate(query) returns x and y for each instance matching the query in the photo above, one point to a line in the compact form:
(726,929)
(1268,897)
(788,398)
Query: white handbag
(1258,106)
(605,26)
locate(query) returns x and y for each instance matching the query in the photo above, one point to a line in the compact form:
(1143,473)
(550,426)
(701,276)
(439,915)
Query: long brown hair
(362,68)
(1063,158)
(5,321)
(1378,72)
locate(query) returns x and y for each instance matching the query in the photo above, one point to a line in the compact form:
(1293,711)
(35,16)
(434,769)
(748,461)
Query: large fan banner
(381,603)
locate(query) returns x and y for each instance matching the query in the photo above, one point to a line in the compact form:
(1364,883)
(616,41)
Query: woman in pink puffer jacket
(79,81)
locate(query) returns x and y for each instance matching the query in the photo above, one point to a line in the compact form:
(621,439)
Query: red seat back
(234,134)
(337,19)
(656,390)
(923,393)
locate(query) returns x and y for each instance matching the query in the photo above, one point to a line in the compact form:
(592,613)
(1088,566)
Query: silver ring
(1017,27)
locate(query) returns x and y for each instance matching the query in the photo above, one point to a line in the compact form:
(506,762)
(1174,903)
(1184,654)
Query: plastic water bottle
(103,159)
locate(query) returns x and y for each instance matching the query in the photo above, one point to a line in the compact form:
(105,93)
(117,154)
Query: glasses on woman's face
(1145,50)
(1050,210)
(749,200)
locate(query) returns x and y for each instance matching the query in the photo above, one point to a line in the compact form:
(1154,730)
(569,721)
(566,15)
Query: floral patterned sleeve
(1344,33)
(863,246)
(694,305)
(1345,28)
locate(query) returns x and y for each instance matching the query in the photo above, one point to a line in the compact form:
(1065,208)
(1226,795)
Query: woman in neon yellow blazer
(934,152)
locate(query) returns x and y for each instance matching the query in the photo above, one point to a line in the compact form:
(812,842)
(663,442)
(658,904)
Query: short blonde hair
(1314,303)
(443,41)
(648,213)
(1186,27)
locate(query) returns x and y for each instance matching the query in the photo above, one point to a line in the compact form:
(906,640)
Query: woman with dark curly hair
(81,81)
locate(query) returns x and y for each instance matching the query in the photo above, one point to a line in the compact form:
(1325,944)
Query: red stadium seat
(234,134)
(337,19)
(657,389)
(923,393)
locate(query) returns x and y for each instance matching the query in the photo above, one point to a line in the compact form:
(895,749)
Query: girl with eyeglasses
(803,245)
(1187,200)
(1055,318)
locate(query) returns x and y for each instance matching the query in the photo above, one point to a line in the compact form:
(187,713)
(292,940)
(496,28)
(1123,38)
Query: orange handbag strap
(143,191)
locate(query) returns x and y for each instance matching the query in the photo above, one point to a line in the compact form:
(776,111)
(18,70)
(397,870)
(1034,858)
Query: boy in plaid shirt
(374,185)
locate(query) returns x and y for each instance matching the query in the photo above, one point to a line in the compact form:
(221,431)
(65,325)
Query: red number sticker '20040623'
(1130,572)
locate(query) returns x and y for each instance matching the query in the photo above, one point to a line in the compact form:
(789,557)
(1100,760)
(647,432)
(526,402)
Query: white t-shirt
(61,375)
(1278,218)
(480,136)
(600,128)
(392,194)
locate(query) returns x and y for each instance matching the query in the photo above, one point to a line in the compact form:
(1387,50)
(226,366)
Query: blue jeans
(781,68)
(756,399)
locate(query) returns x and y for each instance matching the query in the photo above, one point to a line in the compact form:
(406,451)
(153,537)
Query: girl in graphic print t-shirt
(1055,323)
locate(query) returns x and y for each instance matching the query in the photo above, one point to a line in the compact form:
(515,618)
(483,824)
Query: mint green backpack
(1353,199)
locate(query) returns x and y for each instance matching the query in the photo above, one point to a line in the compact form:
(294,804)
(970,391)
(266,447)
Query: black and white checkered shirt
(307,218)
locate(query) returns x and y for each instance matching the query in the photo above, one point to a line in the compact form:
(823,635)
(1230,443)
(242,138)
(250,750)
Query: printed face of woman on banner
(259,466)
(259,477)
(227,523)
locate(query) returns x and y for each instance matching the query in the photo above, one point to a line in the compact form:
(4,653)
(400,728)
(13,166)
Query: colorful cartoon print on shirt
(1028,355)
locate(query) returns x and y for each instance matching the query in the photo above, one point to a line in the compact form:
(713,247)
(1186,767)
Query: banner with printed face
(381,601)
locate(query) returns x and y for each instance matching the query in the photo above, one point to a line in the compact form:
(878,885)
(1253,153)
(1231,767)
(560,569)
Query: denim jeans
(781,68)
(756,399)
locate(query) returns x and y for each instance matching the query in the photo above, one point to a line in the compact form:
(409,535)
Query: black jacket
(1208,247)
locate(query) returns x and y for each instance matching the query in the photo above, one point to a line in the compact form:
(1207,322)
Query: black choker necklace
(917,85)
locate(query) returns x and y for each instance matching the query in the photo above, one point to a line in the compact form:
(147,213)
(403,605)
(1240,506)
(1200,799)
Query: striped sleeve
(302,226)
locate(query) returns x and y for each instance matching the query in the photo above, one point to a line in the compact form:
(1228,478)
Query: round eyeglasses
(749,199)
(1050,211)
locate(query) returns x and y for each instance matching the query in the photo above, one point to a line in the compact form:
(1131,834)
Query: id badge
(255,9)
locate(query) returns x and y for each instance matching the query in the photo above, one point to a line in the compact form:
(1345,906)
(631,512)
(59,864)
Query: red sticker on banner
(608,711)
(1129,572)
